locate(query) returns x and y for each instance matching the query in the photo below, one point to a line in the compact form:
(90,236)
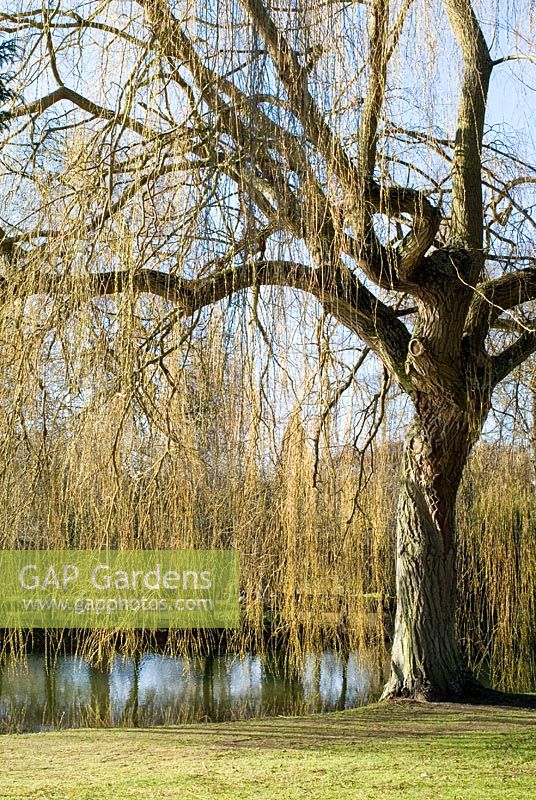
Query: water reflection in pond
(156,689)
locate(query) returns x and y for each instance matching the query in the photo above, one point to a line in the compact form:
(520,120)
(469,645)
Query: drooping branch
(387,266)
(259,155)
(379,263)
(341,295)
(19,22)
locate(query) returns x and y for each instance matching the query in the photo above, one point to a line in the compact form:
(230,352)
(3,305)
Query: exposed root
(469,692)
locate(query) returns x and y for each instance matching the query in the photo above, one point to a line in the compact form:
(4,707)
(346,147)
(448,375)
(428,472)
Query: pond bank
(402,750)
(43,693)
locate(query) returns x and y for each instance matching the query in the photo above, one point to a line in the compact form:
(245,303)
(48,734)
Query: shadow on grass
(384,722)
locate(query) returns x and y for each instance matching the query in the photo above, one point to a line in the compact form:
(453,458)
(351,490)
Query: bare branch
(368,121)
(513,356)
(514,57)
(496,296)
(64,93)
(467,212)
(341,295)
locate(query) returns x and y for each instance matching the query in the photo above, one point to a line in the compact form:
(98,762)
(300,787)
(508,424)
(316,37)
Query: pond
(155,689)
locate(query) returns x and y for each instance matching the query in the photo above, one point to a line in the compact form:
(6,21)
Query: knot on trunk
(416,347)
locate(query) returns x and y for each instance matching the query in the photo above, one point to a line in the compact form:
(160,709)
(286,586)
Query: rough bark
(425,660)
(451,397)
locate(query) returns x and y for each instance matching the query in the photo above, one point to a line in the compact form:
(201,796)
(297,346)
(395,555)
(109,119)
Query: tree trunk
(425,660)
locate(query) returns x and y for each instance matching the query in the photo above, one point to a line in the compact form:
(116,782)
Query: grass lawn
(403,750)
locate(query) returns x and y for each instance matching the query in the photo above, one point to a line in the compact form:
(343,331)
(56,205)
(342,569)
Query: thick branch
(467,210)
(64,93)
(189,295)
(368,121)
(495,296)
(513,356)
(342,296)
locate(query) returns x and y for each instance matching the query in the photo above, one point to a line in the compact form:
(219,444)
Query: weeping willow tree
(304,159)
